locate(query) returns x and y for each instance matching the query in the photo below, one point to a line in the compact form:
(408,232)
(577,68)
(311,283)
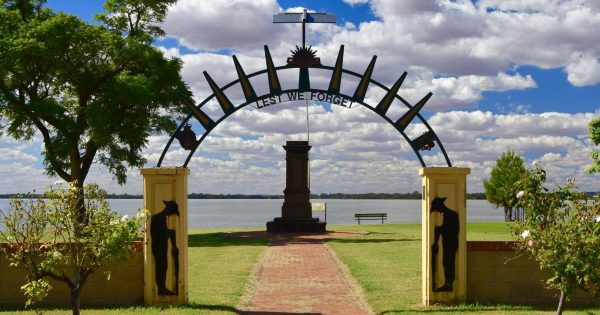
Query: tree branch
(130,22)
(88,157)
(56,277)
(48,144)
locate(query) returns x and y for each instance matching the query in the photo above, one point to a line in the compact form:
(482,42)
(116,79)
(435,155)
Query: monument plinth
(296,212)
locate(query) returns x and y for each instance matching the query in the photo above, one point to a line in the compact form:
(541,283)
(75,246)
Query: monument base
(279,225)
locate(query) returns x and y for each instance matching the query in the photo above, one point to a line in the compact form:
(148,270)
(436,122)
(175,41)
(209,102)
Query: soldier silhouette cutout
(161,234)
(449,233)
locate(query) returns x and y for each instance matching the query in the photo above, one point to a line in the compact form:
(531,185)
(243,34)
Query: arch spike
(361,89)
(405,120)
(249,92)
(224,102)
(336,76)
(274,85)
(387,100)
(204,120)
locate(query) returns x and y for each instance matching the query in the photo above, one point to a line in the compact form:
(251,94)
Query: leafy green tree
(47,239)
(561,231)
(94,93)
(594,128)
(500,189)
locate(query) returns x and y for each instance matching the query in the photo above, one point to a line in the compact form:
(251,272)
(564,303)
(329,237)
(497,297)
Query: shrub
(49,238)
(561,231)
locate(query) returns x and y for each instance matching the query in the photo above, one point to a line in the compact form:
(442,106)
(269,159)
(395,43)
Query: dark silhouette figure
(161,235)
(449,233)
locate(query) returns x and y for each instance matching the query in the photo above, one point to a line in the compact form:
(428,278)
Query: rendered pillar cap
(444,170)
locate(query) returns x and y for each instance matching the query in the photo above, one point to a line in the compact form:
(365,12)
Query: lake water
(218,213)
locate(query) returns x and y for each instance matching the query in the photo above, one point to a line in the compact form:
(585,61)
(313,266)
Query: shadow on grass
(370,240)
(209,307)
(191,306)
(221,240)
(142,308)
(274,313)
(466,309)
(487,308)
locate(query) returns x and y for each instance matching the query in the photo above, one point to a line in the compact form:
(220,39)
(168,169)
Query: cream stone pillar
(165,242)
(444,242)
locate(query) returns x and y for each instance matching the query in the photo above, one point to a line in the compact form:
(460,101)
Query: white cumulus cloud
(583,71)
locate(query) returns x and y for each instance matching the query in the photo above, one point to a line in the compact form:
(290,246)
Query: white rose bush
(561,231)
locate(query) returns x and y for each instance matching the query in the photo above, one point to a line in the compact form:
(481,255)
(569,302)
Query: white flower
(141,215)
(597,219)
(536,163)
(525,234)
(56,254)
(520,194)
(124,218)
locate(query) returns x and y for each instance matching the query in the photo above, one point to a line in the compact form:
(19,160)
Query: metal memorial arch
(304,58)
(444,188)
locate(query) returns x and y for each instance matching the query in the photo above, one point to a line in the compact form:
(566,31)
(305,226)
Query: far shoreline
(358,196)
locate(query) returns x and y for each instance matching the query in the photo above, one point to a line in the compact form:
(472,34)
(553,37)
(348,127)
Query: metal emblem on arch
(332,95)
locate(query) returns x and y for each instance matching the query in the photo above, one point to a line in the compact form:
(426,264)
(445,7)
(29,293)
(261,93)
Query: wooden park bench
(370,216)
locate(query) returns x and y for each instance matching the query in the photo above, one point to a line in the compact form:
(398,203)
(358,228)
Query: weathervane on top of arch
(303,58)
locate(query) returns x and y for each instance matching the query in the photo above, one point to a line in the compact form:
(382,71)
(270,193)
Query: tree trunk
(75,301)
(81,211)
(78,178)
(561,302)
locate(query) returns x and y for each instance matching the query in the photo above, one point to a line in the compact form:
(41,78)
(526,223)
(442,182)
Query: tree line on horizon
(412,195)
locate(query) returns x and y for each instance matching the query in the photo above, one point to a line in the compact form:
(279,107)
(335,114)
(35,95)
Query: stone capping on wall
(136,246)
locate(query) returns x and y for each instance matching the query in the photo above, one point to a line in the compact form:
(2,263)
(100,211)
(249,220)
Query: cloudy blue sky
(518,75)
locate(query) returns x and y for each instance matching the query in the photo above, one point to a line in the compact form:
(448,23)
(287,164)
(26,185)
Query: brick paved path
(299,274)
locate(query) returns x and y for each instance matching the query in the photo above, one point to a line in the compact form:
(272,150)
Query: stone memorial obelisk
(296,212)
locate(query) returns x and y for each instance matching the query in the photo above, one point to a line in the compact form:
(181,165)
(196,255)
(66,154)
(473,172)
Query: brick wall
(498,274)
(125,287)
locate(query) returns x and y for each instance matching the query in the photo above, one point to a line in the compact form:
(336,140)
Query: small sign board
(319,206)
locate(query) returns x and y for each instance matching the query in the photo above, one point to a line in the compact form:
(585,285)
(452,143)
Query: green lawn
(385,261)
